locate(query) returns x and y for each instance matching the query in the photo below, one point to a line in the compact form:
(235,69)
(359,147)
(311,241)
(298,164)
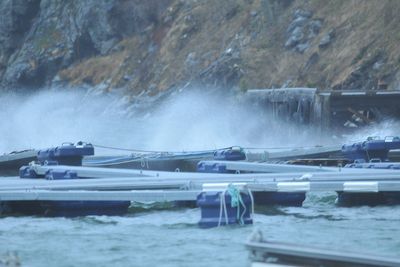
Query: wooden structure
(328,109)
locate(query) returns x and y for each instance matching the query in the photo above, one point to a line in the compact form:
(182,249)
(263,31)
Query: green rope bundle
(236,202)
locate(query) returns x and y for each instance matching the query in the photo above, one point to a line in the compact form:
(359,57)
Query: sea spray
(195,119)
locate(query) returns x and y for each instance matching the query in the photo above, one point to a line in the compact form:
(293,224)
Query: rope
(222,208)
(199,151)
(252,201)
(156,151)
(287,147)
(210,150)
(236,202)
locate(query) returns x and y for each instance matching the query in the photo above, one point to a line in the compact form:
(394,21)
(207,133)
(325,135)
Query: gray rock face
(302,30)
(297,23)
(15,20)
(314,27)
(327,39)
(302,13)
(40,37)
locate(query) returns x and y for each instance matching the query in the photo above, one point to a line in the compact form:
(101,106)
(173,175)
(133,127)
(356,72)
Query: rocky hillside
(155,45)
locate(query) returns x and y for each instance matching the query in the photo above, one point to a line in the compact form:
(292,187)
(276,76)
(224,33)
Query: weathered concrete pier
(328,109)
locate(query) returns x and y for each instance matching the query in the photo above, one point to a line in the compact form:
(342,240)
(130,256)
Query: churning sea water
(171,237)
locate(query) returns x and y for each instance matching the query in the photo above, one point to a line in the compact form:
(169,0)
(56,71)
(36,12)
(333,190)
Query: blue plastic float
(371,154)
(65,208)
(260,198)
(211,167)
(372,148)
(66,154)
(233,153)
(225,208)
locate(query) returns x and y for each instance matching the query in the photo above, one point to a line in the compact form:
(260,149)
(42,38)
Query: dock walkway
(123,184)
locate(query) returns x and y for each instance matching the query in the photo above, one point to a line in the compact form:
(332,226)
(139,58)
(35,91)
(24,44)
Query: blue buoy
(66,154)
(373,148)
(354,151)
(224,208)
(64,208)
(211,167)
(233,153)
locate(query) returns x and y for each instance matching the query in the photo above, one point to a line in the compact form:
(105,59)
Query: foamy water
(193,120)
(172,237)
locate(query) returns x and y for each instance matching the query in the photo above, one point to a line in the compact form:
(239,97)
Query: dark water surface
(172,238)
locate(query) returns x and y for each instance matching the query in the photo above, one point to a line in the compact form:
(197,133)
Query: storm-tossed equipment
(374,149)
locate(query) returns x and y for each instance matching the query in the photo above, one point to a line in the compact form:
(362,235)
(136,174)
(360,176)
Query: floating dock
(263,253)
(48,184)
(337,179)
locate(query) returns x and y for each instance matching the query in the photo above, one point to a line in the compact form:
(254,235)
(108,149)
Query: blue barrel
(45,155)
(374,145)
(367,150)
(211,167)
(392,142)
(66,154)
(354,151)
(210,205)
(233,153)
(389,143)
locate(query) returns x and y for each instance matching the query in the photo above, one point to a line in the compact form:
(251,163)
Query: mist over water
(387,128)
(184,121)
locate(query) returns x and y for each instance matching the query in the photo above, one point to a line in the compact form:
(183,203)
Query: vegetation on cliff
(152,46)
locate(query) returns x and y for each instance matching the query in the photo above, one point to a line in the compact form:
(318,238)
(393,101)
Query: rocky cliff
(150,46)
